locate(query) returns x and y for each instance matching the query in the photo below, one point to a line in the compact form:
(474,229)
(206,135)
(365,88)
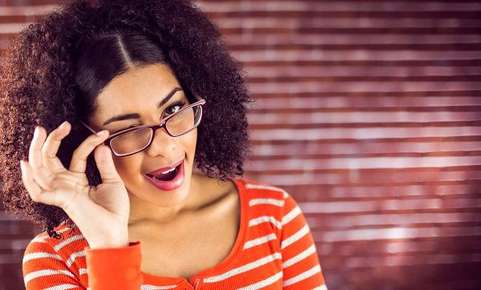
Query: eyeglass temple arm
(88,127)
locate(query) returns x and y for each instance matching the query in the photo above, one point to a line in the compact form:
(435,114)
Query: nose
(162,143)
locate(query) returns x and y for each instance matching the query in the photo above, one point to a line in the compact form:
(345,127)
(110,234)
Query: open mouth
(167,179)
(166,176)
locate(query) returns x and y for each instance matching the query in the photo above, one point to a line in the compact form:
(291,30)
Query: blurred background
(369,114)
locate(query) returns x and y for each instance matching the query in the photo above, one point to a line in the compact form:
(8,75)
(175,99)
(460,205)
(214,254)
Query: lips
(163,169)
(168,185)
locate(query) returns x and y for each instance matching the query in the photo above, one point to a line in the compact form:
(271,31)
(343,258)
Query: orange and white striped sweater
(274,249)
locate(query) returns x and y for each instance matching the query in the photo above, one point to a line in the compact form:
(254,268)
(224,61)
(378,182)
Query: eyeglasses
(133,140)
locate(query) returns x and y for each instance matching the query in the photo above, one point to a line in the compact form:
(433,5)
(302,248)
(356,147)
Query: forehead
(134,90)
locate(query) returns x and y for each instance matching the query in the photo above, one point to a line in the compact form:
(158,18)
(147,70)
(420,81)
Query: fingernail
(64,123)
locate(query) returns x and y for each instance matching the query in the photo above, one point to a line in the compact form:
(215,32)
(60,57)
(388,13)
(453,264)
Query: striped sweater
(274,249)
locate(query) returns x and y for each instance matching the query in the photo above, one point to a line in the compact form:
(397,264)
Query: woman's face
(139,91)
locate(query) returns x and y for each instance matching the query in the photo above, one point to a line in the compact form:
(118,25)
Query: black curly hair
(55,68)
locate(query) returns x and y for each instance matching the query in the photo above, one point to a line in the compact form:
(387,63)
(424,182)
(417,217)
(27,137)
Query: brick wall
(368,113)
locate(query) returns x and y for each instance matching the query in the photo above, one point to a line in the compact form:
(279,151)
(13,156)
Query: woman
(140,130)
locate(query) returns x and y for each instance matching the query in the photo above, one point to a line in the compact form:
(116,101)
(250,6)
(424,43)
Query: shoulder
(263,193)
(263,198)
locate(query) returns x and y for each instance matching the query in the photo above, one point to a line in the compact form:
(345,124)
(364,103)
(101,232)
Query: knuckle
(85,147)
(45,151)
(51,137)
(33,167)
(57,134)
(77,153)
(48,154)
(95,140)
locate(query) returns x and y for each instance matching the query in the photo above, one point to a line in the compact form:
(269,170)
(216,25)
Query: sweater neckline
(223,265)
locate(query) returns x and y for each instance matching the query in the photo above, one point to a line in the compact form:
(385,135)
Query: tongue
(168,176)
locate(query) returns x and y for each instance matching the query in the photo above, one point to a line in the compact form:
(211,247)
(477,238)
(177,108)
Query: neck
(142,210)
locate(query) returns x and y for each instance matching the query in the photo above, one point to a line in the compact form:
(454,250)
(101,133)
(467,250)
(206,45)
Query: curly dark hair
(55,68)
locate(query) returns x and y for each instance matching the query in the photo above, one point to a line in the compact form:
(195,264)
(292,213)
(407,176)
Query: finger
(105,164)
(79,157)
(51,146)
(41,174)
(33,189)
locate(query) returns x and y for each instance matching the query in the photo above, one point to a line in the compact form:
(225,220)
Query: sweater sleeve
(114,268)
(300,262)
(44,268)
(107,268)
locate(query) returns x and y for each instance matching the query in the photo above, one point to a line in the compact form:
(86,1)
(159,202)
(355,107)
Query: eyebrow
(137,116)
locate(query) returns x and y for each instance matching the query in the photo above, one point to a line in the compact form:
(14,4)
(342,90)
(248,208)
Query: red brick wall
(368,113)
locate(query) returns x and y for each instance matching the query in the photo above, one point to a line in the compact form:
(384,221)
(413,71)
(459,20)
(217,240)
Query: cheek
(193,140)
(191,143)
(126,166)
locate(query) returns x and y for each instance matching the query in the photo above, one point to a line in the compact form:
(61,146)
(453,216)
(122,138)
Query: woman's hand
(101,212)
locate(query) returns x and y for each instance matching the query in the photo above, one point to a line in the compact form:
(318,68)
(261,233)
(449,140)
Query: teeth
(165,172)
(168,171)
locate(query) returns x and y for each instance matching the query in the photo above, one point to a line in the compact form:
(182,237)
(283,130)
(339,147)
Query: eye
(169,111)
(178,104)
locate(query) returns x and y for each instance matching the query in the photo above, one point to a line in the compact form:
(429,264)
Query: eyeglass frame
(154,128)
